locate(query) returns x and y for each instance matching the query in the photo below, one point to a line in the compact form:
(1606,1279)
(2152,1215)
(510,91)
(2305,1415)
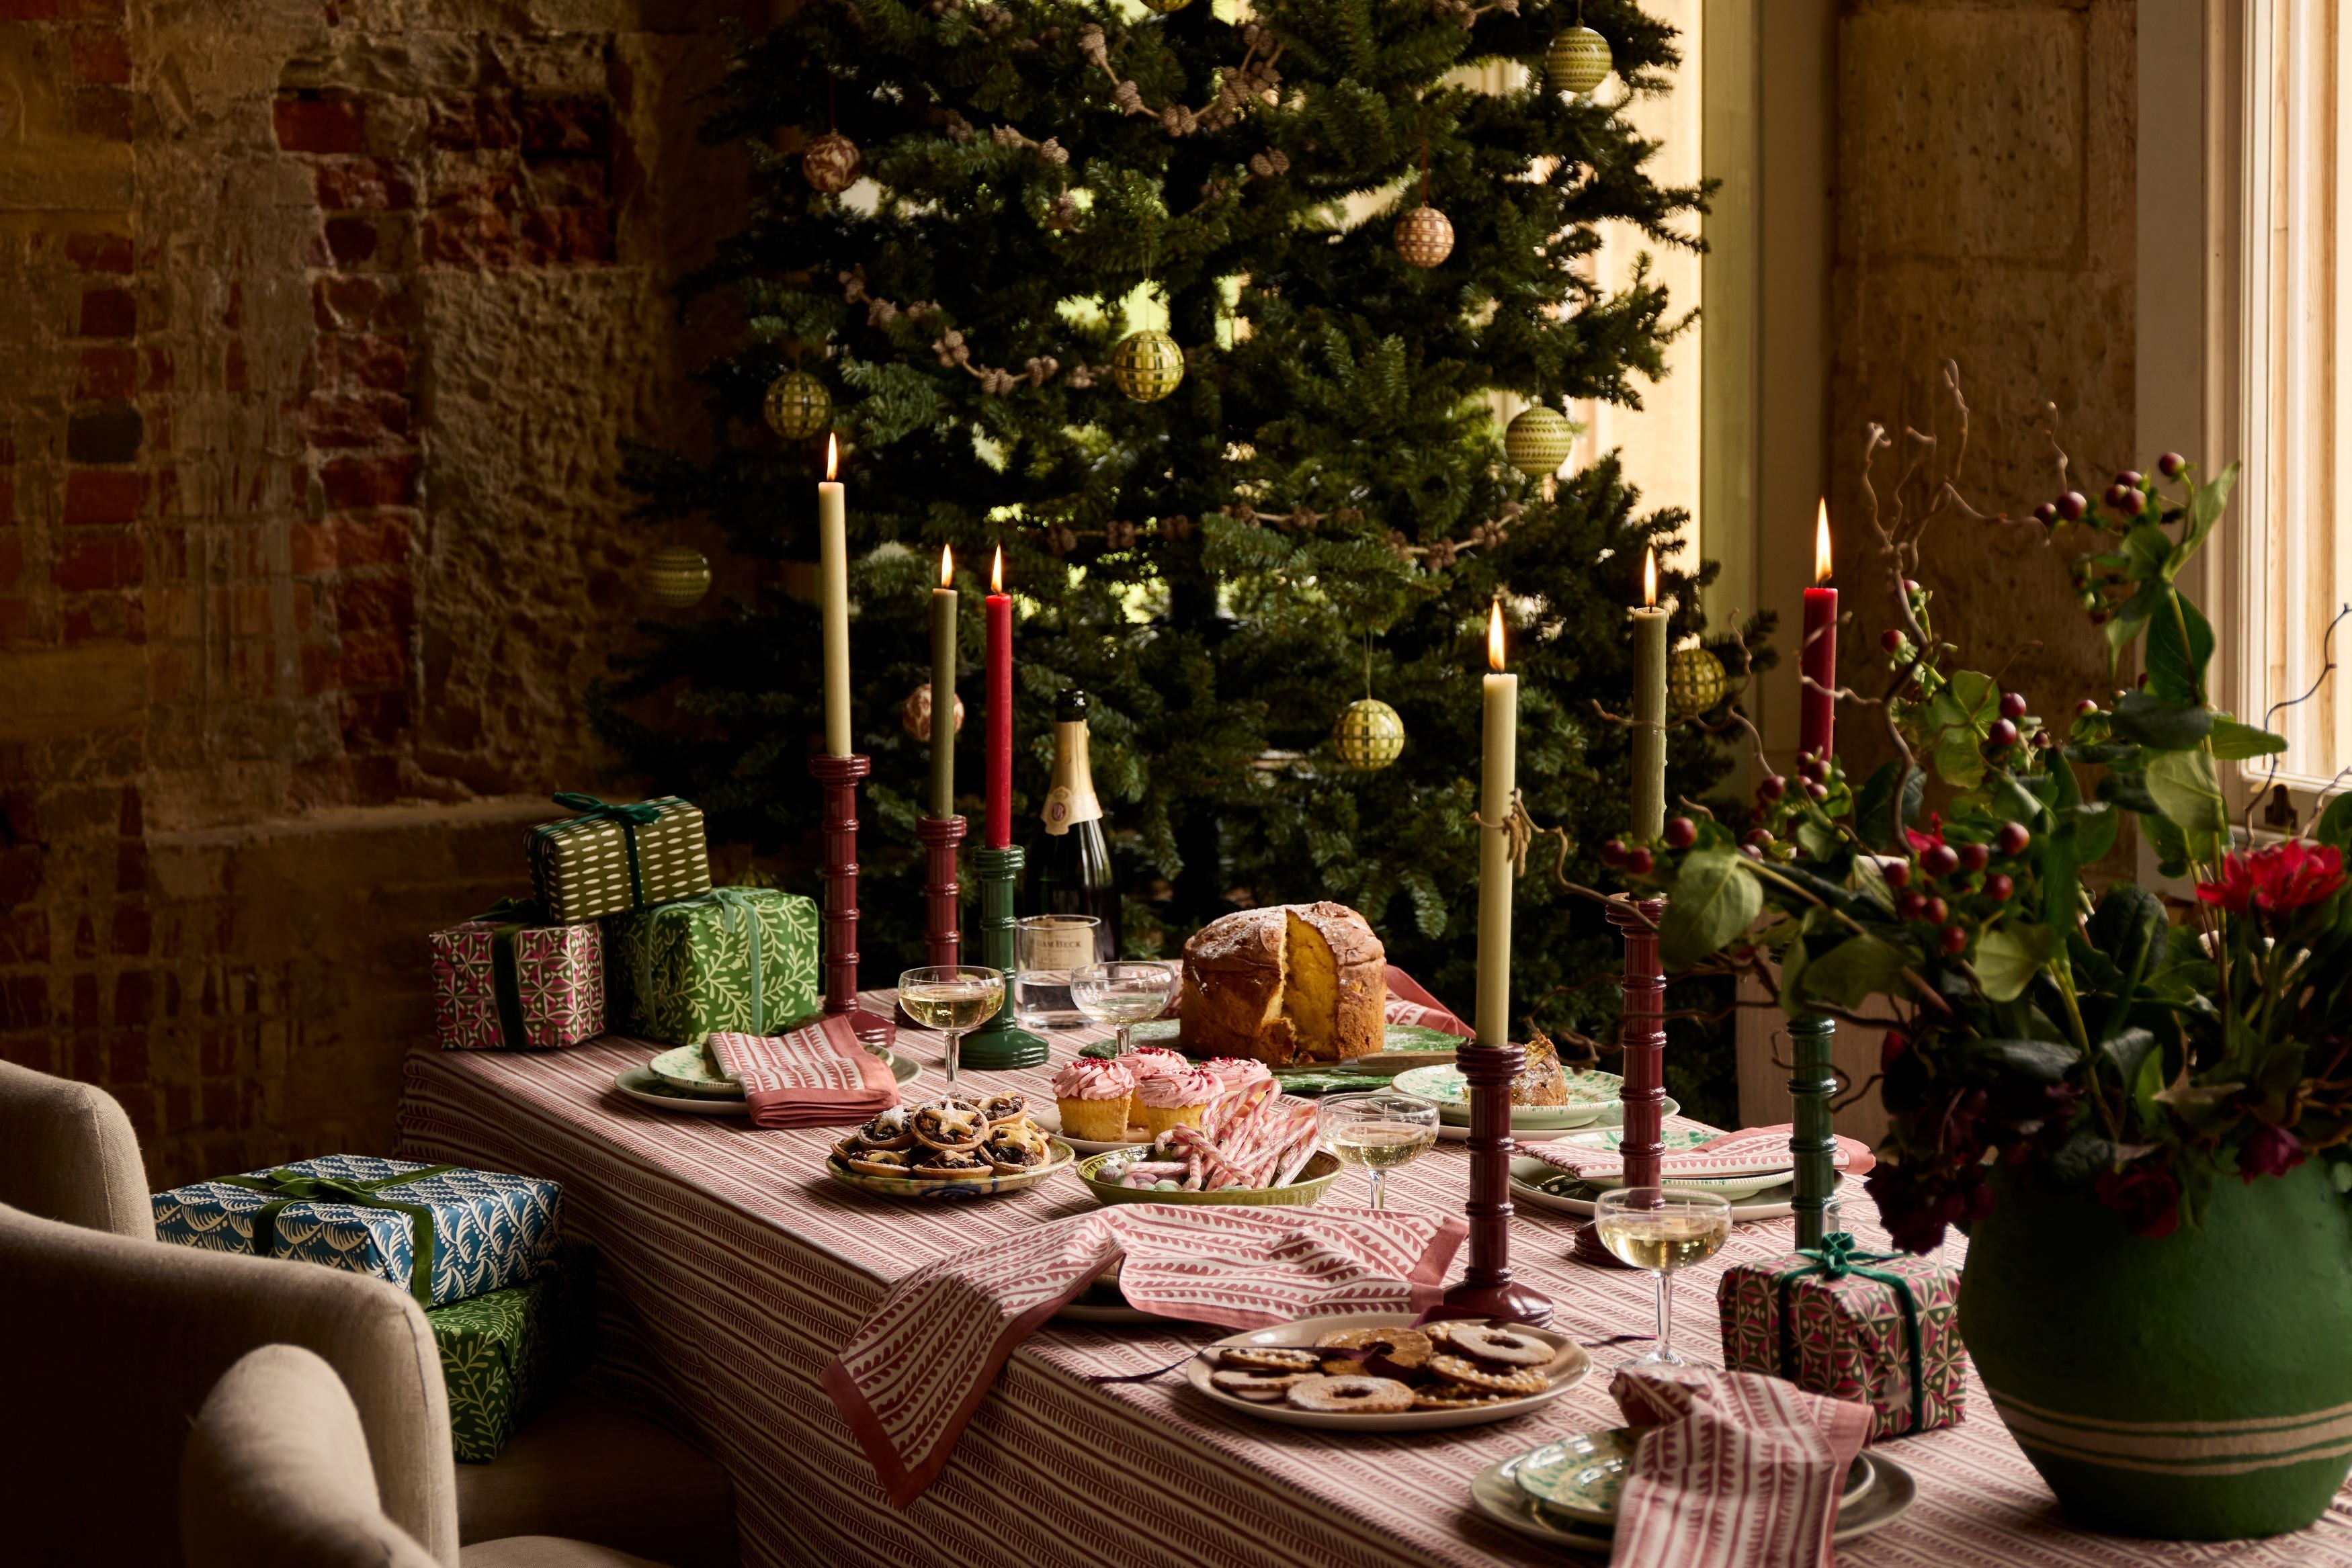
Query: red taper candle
(1817,710)
(999,707)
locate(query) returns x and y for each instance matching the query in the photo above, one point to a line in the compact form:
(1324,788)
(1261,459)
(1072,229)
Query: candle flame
(946,567)
(1494,635)
(1650,577)
(1822,543)
(832,455)
(996,573)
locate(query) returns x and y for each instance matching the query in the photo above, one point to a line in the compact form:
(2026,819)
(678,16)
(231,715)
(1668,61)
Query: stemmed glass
(954,998)
(1661,1230)
(1378,1132)
(1122,994)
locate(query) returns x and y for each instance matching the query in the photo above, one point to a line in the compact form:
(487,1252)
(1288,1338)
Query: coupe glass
(1377,1133)
(1122,994)
(1662,1229)
(954,998)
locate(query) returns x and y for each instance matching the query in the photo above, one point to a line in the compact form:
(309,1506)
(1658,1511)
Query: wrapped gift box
(743,959)
(1850,1325)
(514,986)
(483,1230)
(506,1353)
(614,858)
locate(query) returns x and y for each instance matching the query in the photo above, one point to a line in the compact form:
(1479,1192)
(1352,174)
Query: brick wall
(323,329)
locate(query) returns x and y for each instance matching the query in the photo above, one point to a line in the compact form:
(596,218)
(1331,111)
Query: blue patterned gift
(443,1233)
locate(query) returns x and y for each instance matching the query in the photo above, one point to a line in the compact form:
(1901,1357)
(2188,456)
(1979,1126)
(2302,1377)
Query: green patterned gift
(743,959)
(612,858)
(506,1353)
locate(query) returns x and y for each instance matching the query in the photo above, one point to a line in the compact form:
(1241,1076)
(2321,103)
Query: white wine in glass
(1122,994)
(953,1000)
(1377,1133)
(1661,1229)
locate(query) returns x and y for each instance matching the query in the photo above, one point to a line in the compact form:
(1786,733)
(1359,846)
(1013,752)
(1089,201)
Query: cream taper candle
(1498,781)
(833,569)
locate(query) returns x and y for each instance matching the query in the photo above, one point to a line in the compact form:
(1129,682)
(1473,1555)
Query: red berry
(2133,501)
(1935,912)
(1911,905)
(1892,640)
(1613,852)
(1973,857)
(1892,1045)
(2071,506)
(1939,860)
(2129,479)
(1758,837)
(1909,587)
(1897,872)
(2086,708)
(2045,513)
(1998,888)
(2013,705)
(2013,839)
(1638,863)
(2170,465)
(1751,852)
(2098,617)
(1773,786)
(1818,791)
(1954,940)
(2001,736)
(1681,833)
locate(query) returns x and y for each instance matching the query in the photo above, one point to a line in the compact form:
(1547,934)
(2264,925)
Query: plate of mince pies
(961,1145)
(1379,1372)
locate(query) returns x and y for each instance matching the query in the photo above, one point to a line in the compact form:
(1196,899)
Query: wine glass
(954,998)
(1122,994)
(1661,1230)
(1378,1132)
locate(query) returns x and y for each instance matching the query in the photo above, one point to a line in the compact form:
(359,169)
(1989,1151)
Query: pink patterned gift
(501,984)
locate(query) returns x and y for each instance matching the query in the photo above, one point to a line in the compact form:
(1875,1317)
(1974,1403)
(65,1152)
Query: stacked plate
(1753,1195)
(1592,1102)
(684,1078)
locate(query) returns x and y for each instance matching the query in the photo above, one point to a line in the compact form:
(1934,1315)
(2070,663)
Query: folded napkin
(915,1372)
(1737,1470)
(1751,1151)
(816,1076)
(1408,1003)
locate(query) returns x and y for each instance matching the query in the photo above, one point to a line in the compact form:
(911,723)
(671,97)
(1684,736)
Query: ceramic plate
(689,1067)
(1048,1115)
(1611,1116)
(1581,1475)
(1568,1369)
(1312,1183)
(1730,1188)
(948,1189)
(1496,1491)
(640,1085)
(1588,1093)
(1773,1203)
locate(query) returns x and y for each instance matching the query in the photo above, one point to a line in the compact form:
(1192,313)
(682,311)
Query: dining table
(743,1267)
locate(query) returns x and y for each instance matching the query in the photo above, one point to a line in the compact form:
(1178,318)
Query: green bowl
(1308,1189)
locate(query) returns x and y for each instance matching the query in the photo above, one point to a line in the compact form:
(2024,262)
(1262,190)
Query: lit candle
(999,707)
(943,694)
(1499,779)
(833,566)
(1817,713)
(1649,707)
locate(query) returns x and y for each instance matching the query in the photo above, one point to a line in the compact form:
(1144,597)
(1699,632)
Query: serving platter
(1495,1491)
(1312,1183)
(952,1189)
(1569,1366)
(1611,1117)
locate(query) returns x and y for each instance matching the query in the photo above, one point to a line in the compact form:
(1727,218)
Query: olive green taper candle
(1649,709)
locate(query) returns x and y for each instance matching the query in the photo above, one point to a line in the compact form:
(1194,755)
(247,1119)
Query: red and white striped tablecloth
(749,1269)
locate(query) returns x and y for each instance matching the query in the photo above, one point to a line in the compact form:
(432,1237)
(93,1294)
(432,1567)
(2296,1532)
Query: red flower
(2148,1199)
(2272,1151)
(2289,876)
(1931,838)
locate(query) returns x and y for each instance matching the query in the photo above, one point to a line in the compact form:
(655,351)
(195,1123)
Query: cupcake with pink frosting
(1095,1096)
(1150,1061)
(1239,1074)
(1177,1099)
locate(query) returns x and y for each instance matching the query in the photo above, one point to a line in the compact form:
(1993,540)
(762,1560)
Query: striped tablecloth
(749,1269)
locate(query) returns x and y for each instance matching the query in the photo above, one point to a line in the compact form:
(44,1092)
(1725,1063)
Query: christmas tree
(1319,509)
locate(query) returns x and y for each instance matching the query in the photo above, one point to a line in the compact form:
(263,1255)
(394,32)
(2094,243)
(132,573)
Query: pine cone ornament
(1538,442)
(1424,236)
(1578,61)
(829,163)
(1147,365)
(1696,682)
(916,716)
(798,407)
(1368,735)
(675,576)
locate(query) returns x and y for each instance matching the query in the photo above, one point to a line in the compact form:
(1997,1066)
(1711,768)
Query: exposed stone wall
(323,324)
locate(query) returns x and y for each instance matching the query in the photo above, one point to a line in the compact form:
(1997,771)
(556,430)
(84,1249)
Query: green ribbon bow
(630,818)
(286,1186)
(509,916)
(1838,1256)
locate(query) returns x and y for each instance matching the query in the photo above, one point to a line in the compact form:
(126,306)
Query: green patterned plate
(689,1070)
(1496,1492)
(1730,1188)
(1581,1475)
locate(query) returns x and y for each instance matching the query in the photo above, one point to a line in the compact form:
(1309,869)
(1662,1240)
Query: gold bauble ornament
(829,163)
(1167,8)
(1538,441)
(916,716)
(1147,365)
(1368,735)
(1696,682)
(1578,61)
(1424,236)
(674,575)
(798,407)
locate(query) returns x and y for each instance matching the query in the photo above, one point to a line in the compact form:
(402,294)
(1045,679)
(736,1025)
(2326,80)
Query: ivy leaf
(2205,510)
(2094,827)
(2335,824)
(2146,1083)
(1714,897)
(2043,1060)
(2131,618)
(2129,1052)
(1873,808)
(1962,713)
(2161,724)
(2184,787)
(1855,971)
(2234,742)
(2007,959)
(2180,647)
(2129,789)
(2171,845)
(2107,754)
(2148,548)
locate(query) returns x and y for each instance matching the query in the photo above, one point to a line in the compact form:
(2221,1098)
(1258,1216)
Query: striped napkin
(1751,1151)
(816,1076)
(1737,1471)
(915,1372)
(1409,1003)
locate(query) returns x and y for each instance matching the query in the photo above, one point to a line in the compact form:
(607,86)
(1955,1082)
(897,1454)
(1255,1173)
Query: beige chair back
(275,1474)
(67,1151)
(109,1347)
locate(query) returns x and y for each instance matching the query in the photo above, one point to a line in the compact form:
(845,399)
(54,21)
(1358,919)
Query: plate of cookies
(963,1145)
(1378,1372)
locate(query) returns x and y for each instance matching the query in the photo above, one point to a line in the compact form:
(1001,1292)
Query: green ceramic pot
(2197,1387)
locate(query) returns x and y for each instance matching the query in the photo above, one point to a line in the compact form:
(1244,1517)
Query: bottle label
(1057,809)
(1059,948)
(1072,797)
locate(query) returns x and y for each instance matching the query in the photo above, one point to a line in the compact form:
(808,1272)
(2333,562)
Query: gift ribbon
(739,910)
(286,1185)
(628,817)
(507,917)
(1838,1256)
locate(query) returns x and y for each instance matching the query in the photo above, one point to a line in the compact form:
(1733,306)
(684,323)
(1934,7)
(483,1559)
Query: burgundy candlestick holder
(942,935)
(839,776)
(1641,1035)
(1486,1289)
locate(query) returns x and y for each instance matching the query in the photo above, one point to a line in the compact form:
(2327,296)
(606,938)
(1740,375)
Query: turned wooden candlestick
(839,776)
(1486,1289)
(1812,1039)
(942,935)
(1641,1035)
(1001,1042)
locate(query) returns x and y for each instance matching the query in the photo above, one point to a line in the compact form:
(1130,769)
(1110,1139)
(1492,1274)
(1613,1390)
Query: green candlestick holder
(999,1043)
(1812,1142)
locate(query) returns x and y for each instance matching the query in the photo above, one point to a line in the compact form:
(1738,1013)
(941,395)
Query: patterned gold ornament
(1368,735)
(916,716)
(1167,8)
(674,575)
(798,408)
(1697,681)
(1538,441)
(1578,61)
(829,163)
(1424,236)
(1147,365)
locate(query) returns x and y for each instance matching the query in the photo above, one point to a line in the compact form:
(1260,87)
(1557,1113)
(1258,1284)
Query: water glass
(1377,1133)
(1046,947)
(954,998)
(1661,1230)
(1122,994)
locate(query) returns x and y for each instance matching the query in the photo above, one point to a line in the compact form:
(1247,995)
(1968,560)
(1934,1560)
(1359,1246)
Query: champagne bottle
(1072,866)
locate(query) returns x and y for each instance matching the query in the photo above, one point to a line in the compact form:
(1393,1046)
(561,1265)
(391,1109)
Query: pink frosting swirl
(1150,1061)
(1237,1073)
(1190,1087)
(1093,1078)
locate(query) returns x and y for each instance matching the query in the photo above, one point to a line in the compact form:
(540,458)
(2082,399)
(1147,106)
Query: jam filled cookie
(1273,1357)
(1254,1383)
(1491,1344)
(1516,1380)
(1450,1396)
(1398,1353)
(1355,1395)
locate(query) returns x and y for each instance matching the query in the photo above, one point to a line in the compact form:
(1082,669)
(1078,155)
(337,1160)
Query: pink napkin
(1751,1151)
(1737,1471)
(911,1378)
(816,1076)
(1408,1003)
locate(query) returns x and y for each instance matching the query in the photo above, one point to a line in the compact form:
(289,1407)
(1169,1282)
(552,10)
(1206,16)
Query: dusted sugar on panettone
(1295,982)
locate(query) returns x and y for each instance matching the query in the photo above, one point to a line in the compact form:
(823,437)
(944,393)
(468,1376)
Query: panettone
(1296,982)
